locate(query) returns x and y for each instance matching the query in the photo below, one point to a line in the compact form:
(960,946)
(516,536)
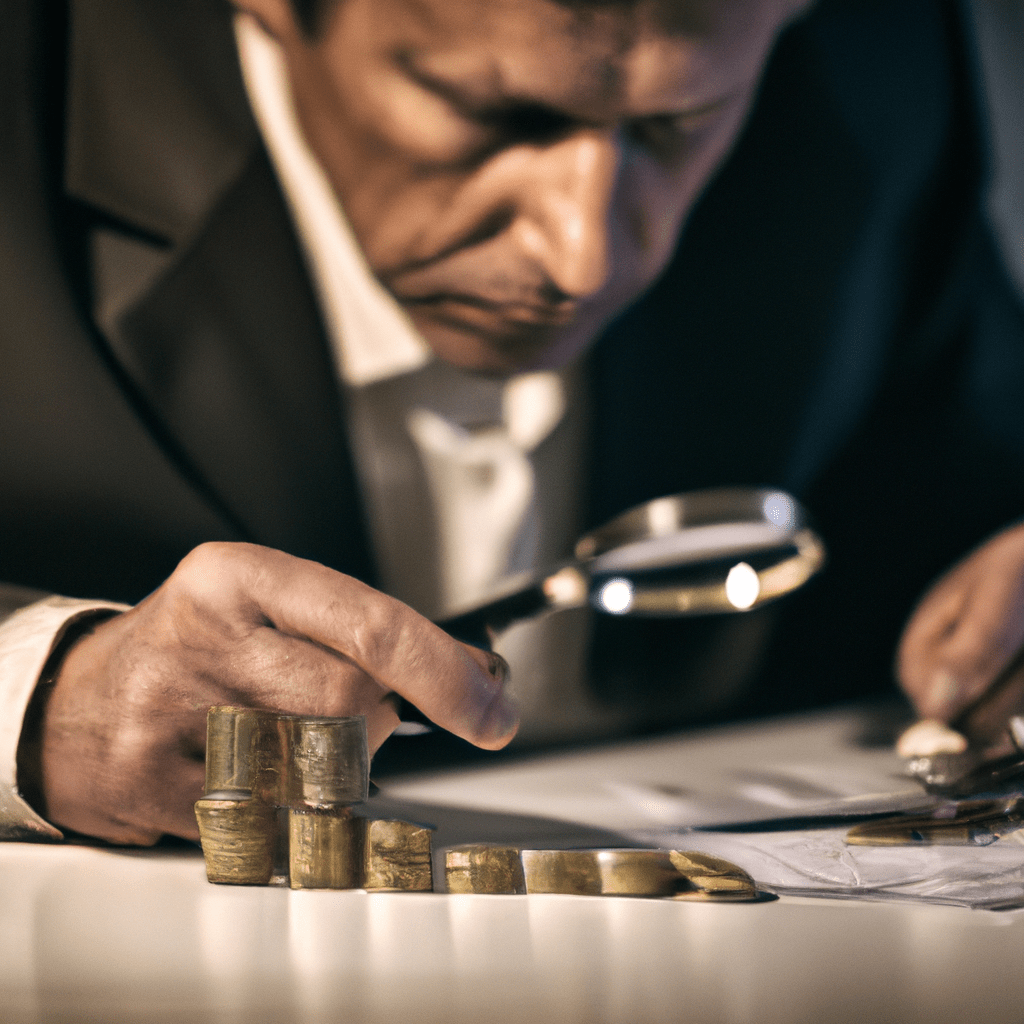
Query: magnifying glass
(703,552)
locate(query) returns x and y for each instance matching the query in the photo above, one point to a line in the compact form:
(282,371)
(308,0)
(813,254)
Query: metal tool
(957,823)
(984,799)
(971,772)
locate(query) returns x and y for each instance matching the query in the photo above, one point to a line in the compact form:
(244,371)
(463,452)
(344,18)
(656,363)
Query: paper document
(817,862)
(785,823)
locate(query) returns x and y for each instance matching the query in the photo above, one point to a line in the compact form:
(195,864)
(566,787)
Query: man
(514,174)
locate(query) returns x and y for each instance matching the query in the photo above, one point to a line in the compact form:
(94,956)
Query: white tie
(482,484)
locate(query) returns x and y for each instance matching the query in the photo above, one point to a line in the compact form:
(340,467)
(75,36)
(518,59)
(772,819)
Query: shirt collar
(371,335)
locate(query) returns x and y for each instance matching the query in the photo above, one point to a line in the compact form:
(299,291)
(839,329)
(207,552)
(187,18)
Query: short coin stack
(622,872)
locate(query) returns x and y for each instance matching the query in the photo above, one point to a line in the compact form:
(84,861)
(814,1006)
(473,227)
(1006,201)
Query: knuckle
(210,592)
(380,635)
(208,566)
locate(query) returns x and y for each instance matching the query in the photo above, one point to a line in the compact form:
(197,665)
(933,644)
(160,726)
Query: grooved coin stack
(282,799)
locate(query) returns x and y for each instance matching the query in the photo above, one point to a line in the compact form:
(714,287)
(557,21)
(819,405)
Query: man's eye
(523,123)
(669,136)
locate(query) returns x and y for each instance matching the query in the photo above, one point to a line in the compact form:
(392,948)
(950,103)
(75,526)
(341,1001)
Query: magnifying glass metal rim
(768,518)
(771,509)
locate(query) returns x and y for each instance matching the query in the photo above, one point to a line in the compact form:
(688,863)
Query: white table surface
(92,934)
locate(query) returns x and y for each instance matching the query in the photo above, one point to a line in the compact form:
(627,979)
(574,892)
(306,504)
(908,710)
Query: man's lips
(504,317)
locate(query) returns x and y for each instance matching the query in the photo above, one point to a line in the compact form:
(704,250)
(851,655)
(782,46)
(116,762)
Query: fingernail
(504,717)
(498,667)
(928,738)
(1016,727)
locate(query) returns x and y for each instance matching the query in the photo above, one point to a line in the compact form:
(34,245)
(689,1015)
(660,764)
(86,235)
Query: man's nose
(564,210)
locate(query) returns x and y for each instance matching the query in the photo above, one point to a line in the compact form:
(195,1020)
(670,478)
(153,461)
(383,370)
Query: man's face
(517,171)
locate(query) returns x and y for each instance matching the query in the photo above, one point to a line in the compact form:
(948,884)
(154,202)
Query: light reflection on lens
(742,586)
(778,509)
(616,596)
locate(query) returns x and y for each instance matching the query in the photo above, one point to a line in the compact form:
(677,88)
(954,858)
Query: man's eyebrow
(472,102)
(463,98)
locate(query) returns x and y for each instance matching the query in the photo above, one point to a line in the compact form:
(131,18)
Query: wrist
(29,777)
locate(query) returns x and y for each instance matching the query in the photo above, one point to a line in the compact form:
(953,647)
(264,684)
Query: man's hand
(958,659)
(124,728)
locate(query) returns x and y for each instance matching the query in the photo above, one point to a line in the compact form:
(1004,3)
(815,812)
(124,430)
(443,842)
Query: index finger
(460,688)
(962,640)
(921,668)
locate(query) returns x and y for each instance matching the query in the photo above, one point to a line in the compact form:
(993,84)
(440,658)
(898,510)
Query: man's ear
(277,17)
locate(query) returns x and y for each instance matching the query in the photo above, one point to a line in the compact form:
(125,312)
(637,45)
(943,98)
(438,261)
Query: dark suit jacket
(835,322)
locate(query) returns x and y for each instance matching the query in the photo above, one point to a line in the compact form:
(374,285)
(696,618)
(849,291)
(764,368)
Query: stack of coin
(237,827)
(282,797)
(328,772)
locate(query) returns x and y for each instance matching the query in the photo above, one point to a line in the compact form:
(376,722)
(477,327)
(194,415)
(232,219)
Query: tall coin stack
(282,797)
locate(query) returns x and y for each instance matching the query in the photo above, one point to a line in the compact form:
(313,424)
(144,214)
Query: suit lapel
(158,124)
(197,280)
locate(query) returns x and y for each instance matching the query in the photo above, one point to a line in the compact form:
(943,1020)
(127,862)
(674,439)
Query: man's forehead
(686,17)
(656,54)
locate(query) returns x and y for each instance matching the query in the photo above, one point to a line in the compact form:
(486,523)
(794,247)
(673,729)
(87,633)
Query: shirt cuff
(27,638)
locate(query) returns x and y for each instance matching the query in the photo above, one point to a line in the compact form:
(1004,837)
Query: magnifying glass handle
(565,586)
(480,625)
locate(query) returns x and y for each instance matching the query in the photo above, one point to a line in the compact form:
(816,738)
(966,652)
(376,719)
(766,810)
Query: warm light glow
(616,596)
(742,586)
(566,588)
